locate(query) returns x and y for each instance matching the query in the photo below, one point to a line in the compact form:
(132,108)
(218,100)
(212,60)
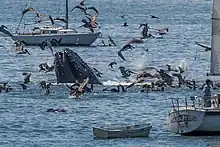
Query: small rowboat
(141,130)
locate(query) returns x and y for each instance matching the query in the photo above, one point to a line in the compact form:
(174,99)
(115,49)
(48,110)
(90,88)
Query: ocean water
(24,120)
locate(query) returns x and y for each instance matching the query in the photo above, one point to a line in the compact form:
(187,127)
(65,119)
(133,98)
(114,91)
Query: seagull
(112,63)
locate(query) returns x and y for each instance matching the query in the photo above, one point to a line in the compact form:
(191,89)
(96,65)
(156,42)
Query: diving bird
(180,78)
(111,40)
(170,69)
(180,69)
(26,77)
(129,46)
(51,19)
(112,63)
(124,48)
(145,30)
(49,43)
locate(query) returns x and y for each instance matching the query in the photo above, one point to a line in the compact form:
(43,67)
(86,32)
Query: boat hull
(201,122)
(67,39)
(137,131)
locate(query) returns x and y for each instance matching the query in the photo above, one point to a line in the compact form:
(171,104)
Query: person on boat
(207,93)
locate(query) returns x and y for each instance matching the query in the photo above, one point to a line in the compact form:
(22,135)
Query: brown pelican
(125,72)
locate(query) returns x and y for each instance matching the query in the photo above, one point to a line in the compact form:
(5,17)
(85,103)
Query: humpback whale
(70,68)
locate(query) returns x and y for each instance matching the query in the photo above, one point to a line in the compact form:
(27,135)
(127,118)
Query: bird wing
(78,7)
(27,10)
(88,18)
(42,45)
(141,25)
(181,70)
(93,8)
(83,84)
(111,40)
(61,19)
(204,46)
(120,55)
(51,19)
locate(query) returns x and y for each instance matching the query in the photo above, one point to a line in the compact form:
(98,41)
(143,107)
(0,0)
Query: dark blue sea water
(23,120)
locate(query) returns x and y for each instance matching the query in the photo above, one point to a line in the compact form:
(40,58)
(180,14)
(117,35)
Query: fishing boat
(194,119)
(141,130)
(69,37)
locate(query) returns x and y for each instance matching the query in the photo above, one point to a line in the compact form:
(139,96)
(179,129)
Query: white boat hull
(194,122)
(124,132)
(67,39)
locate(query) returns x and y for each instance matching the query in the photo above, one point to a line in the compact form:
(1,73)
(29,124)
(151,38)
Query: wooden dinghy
(141,130)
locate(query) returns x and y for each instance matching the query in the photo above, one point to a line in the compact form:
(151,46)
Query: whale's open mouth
(70,68)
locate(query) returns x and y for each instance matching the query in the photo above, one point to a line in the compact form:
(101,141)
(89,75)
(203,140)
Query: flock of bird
(163,77)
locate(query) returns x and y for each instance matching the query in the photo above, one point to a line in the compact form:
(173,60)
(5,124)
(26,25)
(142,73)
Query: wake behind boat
(69,37)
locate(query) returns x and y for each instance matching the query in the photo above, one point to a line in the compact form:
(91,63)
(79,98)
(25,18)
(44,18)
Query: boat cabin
(55,30)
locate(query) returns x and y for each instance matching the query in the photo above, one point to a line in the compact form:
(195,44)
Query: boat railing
(194,103)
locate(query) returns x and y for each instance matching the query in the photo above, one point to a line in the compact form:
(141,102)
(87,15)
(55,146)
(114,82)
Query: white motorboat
(141,130)
(195,119)
(69,36)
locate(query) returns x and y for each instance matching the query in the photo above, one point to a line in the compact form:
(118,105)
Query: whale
(70,68)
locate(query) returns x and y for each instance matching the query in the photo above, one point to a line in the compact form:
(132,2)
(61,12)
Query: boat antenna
(66,14)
